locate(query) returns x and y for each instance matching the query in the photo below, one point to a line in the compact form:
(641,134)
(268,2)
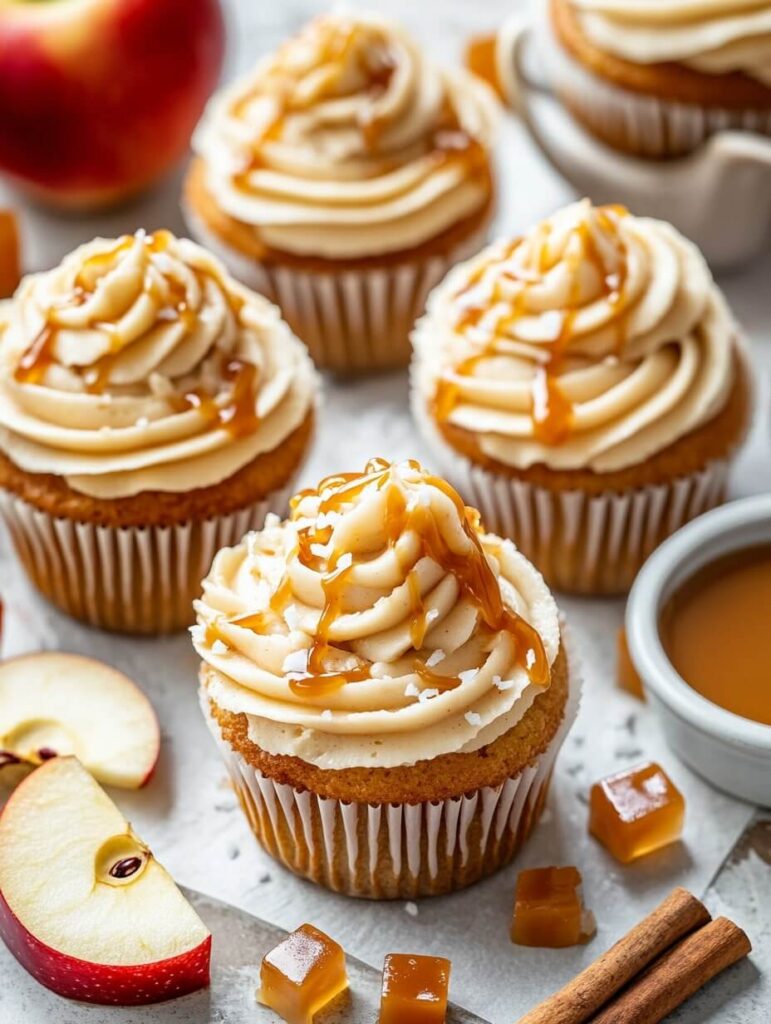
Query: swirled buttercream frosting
(593,342)
(377,627)
(140,365)
(712,36)
(349,142)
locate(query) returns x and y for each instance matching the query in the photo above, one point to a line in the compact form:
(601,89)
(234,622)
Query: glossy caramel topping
(504,293)
(636,812)
(480,58)
(474,575)
(235,412)
(414,990)
(715,630)
(548,909)
(302,975)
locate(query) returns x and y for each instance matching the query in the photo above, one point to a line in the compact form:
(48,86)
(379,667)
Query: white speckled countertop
(189,815)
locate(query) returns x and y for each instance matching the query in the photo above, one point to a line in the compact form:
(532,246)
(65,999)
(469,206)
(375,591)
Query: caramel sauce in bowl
(694,625)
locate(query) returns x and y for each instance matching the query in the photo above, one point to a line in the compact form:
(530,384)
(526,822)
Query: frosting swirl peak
(594,341)
(377,626)
(139,364)
(349,142)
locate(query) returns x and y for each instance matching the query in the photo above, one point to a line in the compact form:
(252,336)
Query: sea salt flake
(502,684)
(426,695)
(328,519)
(296,661)
(411,909)
(432,615)
(434,658)
(473,718)
(411,690)
(326,714)
(219,647)
(197,632)
(345,561)
(468,676)
(142,422)
(322,550)
(530,658)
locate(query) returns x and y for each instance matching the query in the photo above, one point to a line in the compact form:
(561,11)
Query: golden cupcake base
(355,316)
(399,849)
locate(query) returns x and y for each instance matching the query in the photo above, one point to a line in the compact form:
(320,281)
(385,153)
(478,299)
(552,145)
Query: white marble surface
(189,815)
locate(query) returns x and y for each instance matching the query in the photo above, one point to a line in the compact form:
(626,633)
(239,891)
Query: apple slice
(53,704)
(84,906)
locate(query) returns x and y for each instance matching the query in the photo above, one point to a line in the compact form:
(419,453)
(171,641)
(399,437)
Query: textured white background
(189,815)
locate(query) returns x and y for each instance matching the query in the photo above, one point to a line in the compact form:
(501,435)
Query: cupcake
(584,386)
(657,79)
(151,410)
(387,685)
(342,178)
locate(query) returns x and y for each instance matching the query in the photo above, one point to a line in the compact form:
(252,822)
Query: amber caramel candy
(636,812)
(10,258)
(626,674)
(414,989)
(302,974)
(548,909)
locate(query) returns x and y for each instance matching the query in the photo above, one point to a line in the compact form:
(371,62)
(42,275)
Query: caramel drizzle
(552,412)
(473,573)
(338,43)
(238,415)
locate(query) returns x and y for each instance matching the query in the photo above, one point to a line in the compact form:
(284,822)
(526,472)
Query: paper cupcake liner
(581,543)
(353,321)
(639,123)
(129,579)
(395,851)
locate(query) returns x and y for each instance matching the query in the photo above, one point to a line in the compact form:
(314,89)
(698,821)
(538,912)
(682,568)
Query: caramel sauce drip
(480,58)
(238,415)
(473,573)
(551,411)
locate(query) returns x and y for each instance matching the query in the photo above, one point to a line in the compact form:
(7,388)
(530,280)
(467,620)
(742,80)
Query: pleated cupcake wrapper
(638,123)
(130,579)
(593,544)
(395,851)
(353,321)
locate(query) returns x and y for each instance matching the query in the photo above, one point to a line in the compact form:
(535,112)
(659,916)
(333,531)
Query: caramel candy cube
(10,269)
(626,674)
(548,909)
(302,974)
(414,989)
(636,812)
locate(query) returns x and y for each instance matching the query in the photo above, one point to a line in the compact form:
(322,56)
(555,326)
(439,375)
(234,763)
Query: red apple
(99,97)
(53,703)
(84,906)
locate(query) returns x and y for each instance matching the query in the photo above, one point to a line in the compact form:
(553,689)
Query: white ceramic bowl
(730,751)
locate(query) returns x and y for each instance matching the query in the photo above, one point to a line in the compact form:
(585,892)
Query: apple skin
(99,97)
(109,985)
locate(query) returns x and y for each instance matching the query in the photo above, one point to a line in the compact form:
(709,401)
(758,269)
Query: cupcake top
(377,627)
(140,365)
(349,142)
(711,36)
(592,342)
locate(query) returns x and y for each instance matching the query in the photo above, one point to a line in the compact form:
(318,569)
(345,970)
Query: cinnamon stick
(679,914)
(678,974)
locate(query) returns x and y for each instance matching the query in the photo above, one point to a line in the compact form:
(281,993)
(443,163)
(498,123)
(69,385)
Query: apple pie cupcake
(585,387)
(152,409)
(657,79)
(342,178)
(387,684)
